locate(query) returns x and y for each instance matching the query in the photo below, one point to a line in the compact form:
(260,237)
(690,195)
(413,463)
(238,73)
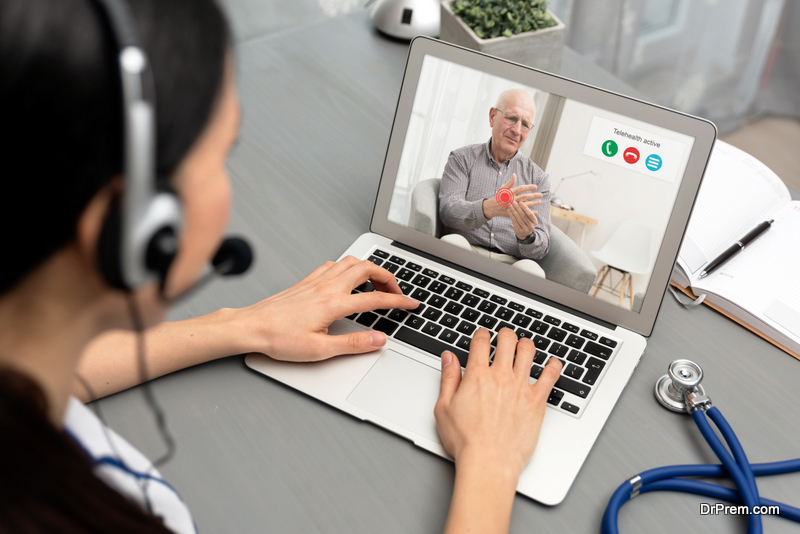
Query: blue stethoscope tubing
(736,466)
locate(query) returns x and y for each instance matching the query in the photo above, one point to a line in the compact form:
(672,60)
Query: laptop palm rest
(402,391)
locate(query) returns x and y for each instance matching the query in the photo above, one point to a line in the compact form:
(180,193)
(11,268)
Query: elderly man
(473,218)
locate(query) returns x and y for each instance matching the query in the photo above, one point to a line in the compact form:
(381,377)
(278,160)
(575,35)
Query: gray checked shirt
(471,176)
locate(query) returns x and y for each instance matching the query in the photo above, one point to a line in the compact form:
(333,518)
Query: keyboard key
(589,335)
(351,317)
(481,293)
(557,334)
(516,307)
(498,299)
(415,321)
(536,314)
(421,281)
(405,274)
(431,328)
(502,325)
(594,363)
(376,260)
(597,350)
(450,321)
(539,327)
(430,272)
(432,313)
(438,287)
(429,344)
(487,321)
(571,408)
(569,327)
(454,293)
(449,336)
(536,371)
(453,307)
(558,349)
(398,261)
(405,287)
(398,315)
(447,280)
(366,287)
(366,318)
(573,371)
(420,295)
(437,301)
(463,285)
(380,253)
(470,300)
(381,312)
(521,332)
(386,326)
(541,342)
(552,320)
(414,266)
(470,315)
(574,341)
(463,343)
(555,397)
(504,313)
(576,356)
(487,307)
(494,340)
(466,328)
(522,320)
(539,358)
(418,310)
(391,267)
(591,376)
(571,386)
(608,342)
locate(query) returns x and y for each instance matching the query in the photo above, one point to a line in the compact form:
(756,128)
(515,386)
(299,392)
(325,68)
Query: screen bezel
(704,133)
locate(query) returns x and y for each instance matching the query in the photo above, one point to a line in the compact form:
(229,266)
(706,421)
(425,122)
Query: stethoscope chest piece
(683,376)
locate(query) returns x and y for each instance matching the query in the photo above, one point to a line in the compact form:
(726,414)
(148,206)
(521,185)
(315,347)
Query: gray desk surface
(254,455)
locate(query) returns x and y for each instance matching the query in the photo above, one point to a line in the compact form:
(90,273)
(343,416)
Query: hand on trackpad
(402,391)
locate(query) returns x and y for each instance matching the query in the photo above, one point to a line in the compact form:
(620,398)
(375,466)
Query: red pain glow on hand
(504,197)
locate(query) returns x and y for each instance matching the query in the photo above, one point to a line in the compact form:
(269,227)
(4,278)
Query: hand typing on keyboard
(293,325)
(489,422)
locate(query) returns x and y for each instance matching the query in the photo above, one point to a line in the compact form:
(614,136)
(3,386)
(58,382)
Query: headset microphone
(233,257)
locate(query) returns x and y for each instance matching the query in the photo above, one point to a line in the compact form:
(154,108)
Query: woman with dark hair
(65,331)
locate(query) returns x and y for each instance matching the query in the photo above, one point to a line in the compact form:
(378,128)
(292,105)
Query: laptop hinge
(507,287)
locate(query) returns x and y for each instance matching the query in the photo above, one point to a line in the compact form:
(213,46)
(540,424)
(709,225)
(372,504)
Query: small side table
(570,215)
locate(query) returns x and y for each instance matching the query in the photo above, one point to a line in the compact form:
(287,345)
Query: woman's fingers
(506,346)
(522,364)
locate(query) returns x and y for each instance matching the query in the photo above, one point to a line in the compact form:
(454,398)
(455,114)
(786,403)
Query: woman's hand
(489,422)
(293,325)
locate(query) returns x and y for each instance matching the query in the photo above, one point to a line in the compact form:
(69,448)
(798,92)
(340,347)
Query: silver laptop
(622,176)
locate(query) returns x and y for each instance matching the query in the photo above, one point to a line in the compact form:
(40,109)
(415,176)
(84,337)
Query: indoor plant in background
(523,31)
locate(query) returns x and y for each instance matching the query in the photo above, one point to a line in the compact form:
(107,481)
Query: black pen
(736,247)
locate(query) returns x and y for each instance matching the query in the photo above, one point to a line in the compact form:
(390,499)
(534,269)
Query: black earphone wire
(155,408)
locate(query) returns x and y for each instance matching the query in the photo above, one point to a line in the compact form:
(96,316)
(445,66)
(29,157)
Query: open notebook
(760,286)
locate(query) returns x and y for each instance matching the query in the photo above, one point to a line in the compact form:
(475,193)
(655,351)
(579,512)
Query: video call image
(556,188)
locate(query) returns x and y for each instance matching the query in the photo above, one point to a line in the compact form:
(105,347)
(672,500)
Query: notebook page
(764,276)
(738,192)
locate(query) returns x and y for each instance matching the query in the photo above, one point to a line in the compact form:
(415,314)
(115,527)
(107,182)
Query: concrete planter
(541,49)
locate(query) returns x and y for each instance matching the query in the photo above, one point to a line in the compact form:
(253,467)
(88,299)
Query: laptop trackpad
(402,391)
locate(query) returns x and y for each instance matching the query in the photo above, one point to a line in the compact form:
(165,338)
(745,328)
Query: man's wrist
(529,240)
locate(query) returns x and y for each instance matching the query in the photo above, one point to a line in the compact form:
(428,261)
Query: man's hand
(293,325)
(523,219)
(492,209)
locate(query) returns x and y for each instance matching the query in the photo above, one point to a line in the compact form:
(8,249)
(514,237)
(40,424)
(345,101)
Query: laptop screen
(556,185)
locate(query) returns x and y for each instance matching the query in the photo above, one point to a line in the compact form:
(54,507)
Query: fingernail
(415,301)
(447,358)
(378,339)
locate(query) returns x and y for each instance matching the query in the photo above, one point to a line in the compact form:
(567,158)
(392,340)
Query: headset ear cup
(109,249)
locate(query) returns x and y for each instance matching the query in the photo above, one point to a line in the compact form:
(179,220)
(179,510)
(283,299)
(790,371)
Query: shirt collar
(488,147)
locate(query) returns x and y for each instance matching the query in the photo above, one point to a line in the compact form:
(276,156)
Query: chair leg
(608,270)
(630,290)
(623,288)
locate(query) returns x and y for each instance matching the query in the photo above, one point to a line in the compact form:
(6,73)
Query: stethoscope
(680,391)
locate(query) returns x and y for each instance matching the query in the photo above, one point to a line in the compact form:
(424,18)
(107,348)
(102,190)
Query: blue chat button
(653,162)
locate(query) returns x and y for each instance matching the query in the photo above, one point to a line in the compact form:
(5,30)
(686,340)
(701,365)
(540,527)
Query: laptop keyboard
(451,310)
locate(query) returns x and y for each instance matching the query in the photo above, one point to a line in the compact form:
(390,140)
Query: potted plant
(524,31)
